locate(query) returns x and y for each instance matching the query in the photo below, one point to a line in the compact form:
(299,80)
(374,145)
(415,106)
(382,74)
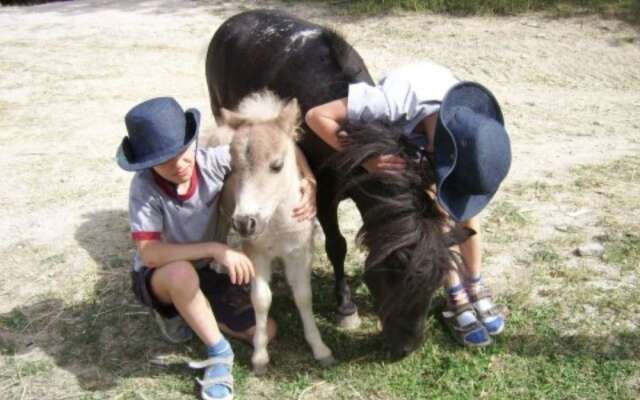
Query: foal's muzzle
(245,225)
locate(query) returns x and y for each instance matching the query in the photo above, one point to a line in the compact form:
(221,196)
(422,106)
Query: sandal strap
(226,360)
(495,311)
(224,380)
(479,292)
(452,317)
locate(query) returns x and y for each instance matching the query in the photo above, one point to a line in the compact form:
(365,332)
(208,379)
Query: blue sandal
(223,381)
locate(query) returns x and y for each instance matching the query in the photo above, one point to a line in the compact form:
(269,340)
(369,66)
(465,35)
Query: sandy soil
(70,71)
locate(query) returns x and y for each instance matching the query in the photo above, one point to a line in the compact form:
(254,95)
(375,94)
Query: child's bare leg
(459,315)
(471,251)
(488,312)
(177,283)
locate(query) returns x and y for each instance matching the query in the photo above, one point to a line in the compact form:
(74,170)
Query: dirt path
(69,71)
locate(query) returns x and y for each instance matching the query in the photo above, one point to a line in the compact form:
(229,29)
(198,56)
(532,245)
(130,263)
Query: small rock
(593,249)
(578,212)
(562,228)
(597,123)
(541,36)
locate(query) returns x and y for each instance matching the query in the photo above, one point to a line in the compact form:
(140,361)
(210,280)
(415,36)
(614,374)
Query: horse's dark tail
(404,231)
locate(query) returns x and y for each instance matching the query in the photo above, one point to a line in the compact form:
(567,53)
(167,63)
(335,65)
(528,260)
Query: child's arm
(155,254)
(326,120)
(306,208)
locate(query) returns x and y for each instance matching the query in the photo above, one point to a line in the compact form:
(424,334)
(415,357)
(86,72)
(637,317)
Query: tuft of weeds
(627,10)
(624,251)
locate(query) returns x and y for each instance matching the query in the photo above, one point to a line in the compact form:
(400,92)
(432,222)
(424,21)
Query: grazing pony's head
(407,235)
(263,159)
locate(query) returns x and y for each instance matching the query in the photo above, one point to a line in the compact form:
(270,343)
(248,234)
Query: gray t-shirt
(403,98)
(156,211)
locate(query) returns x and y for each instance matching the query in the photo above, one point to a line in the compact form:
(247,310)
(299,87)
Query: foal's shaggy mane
(404,232)
(261,106)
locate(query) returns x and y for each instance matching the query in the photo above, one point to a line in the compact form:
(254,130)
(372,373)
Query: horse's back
(293,57)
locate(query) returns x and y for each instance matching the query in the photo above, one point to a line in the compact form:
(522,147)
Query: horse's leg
(261,299)
(336,248)
(298,271)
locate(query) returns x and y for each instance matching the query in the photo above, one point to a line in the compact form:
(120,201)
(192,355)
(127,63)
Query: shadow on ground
(110,337)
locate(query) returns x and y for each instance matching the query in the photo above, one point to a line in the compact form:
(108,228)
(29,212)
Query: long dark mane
(404,231)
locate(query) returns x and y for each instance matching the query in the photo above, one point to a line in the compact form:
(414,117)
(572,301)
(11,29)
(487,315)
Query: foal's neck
(290,193)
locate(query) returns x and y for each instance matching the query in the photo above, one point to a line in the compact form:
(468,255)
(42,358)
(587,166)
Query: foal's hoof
(327,361)
(260,370)
(349,322)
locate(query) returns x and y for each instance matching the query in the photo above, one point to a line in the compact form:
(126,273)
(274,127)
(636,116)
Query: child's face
(178,169)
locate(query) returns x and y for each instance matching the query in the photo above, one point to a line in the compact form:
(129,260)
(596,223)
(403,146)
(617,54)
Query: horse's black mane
(418,249)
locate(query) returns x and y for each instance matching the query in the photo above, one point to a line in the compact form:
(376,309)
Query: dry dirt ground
(69,71)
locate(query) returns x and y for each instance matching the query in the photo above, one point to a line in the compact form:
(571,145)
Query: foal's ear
(289,117)
(232,119)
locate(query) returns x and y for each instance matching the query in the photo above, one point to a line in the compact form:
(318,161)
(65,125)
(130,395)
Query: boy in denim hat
(173,206)
(460,127)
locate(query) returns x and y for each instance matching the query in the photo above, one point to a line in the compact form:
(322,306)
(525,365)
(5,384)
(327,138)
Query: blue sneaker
(465,326)
(491,315)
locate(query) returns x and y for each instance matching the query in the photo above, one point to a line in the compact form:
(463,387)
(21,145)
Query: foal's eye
(276,166)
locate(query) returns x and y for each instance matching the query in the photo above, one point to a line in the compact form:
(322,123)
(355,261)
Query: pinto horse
(403,230)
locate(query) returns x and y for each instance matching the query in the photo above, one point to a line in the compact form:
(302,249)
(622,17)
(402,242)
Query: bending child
(461,129)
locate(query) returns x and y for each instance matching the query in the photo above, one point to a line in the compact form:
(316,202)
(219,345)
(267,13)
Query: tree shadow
(111,337)
(100,340)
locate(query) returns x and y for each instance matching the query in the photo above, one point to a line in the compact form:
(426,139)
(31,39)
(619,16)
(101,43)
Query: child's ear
(289,117)
(232,119)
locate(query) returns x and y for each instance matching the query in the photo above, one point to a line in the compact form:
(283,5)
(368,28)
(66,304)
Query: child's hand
(240,268)
(385,163)
(306,208)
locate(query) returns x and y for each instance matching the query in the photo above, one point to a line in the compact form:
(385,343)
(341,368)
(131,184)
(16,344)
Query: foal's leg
(336,248)
(261,300)
(298,271)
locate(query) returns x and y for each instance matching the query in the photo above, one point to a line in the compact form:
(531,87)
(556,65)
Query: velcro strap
(224,380)
(228,360)
(480,292)
(496,310)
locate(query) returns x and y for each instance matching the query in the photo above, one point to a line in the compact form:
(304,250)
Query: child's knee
(177,276)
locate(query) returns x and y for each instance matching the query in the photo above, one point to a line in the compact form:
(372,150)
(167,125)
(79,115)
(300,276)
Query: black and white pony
(409,253)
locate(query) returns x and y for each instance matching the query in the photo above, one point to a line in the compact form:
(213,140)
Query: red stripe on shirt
(169,188)
(141,235)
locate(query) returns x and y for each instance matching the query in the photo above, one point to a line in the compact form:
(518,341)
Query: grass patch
(624,251)
(628,10)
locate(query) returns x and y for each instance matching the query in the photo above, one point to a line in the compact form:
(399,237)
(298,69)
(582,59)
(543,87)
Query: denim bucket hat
(158,130)
(472,150)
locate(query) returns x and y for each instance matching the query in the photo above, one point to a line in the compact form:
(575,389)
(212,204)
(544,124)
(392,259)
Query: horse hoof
(349,322)
(260,370)
(327,361)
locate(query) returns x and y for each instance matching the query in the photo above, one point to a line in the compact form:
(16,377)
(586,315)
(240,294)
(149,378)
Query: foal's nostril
(251,224)
(245,225)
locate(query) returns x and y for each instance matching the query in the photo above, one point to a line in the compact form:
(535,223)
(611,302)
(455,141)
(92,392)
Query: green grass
(625,9)
(533,359)
(568,335)
(624,250)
